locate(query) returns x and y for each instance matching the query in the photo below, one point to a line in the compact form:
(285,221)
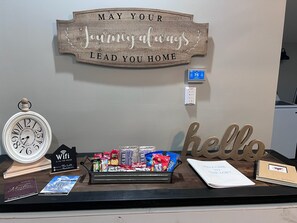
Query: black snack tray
(126,177)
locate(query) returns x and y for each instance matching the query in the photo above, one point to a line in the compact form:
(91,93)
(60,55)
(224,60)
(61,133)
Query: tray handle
(83,163)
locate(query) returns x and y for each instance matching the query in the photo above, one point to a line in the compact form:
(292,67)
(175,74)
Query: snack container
(125,177)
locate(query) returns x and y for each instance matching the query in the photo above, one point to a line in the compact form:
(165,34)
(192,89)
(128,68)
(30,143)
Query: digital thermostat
(196,75)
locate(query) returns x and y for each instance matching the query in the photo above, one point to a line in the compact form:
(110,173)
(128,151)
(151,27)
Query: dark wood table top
(186,189)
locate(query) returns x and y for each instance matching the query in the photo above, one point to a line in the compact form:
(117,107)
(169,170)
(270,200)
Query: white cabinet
(284,136)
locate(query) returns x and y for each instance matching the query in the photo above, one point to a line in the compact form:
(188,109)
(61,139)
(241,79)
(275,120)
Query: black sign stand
(64,159)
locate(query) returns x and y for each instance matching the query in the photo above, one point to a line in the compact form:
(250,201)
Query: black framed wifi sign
(63,159)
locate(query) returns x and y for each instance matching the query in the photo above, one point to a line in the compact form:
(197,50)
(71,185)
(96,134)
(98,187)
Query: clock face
(26,137)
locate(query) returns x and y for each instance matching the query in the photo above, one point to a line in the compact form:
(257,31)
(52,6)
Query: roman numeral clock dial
(27,137)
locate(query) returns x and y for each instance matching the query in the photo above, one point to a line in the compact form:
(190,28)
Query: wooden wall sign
(131,37)
(232,145)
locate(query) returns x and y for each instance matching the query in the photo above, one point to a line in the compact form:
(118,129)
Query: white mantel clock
(26,138)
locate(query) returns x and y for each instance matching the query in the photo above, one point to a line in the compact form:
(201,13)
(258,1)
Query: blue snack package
(174,159)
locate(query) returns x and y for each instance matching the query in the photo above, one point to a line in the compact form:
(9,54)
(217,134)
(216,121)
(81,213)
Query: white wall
(99,108)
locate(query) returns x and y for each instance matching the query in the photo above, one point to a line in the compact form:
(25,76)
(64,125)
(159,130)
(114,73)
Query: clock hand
(26,139)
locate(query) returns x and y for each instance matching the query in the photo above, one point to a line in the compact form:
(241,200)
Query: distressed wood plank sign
(139,38)
(232,146)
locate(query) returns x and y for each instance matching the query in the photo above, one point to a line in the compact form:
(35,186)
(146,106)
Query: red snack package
(125,168)
(98,155)
(160,162)
(139,165)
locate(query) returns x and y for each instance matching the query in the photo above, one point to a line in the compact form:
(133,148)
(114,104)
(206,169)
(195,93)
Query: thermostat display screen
(196,75)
